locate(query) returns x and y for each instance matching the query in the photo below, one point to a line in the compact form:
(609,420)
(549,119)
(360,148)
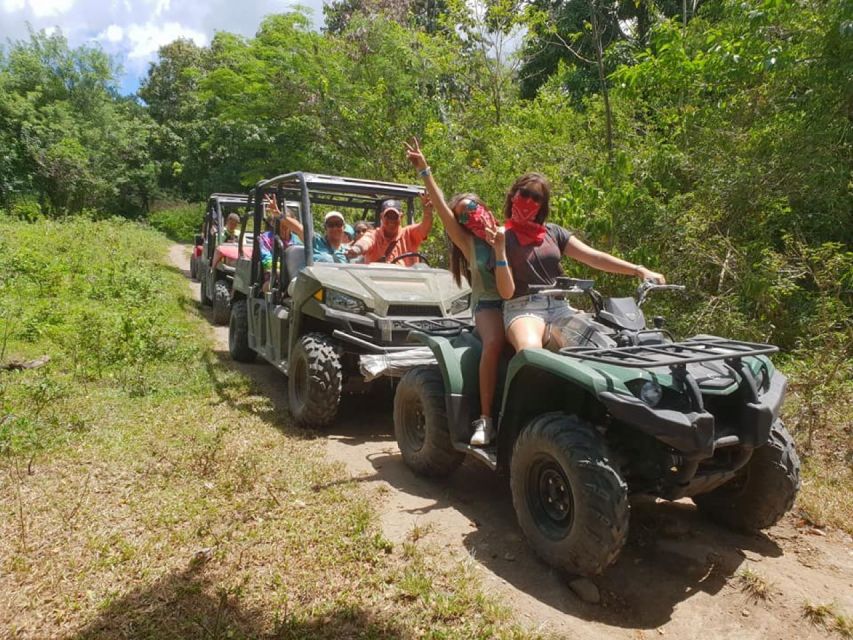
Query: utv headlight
(344,302)
(651,393)
(459,305)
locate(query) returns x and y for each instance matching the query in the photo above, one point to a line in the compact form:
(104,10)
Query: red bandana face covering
(524,211)
(477,219)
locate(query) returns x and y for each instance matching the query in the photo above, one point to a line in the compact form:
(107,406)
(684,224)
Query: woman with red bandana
(466,220)
(528,251)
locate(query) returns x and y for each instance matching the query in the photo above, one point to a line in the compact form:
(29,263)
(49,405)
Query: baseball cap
(334,214)
(391,205)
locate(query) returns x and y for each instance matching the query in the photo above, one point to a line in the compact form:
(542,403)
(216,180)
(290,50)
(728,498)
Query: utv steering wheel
(412,254)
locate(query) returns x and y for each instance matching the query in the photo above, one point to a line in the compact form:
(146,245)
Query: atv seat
(294,262)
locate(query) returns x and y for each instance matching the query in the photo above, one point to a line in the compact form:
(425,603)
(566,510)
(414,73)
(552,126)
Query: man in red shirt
(391,239)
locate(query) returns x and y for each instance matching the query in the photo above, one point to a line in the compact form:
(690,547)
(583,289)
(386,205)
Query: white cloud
(46,8)
(11,6)
(161,7)
(146,39)
(112,33)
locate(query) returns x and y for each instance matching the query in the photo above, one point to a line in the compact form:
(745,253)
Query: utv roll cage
(307,189)
(219,205)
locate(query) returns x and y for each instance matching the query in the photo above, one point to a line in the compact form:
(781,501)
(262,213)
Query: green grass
(148,491)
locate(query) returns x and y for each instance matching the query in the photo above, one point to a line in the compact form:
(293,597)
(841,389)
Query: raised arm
(602,261)
(457,235)
(292,223)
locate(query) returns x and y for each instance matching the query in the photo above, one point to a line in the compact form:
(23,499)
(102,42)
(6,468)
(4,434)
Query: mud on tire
(314,381)
(570,500)
(763,491)
(238,333)
(420,423)
(221,302)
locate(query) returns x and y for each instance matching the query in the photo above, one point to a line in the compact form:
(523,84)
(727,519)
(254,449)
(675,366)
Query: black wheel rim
(549,497)
(414,424)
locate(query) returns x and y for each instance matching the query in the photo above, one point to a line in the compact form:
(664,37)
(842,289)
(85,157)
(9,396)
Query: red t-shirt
(375,245)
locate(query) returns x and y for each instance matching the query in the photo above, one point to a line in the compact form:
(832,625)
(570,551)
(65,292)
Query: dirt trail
(677,577)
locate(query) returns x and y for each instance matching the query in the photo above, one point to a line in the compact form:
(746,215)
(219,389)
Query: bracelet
(423,173)
(501,263)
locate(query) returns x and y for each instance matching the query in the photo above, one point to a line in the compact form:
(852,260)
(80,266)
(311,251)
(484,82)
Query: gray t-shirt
(532,265)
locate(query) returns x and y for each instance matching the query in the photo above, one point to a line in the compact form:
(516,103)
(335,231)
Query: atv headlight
(763,378)
(344,302)
(459,305)
(650,393)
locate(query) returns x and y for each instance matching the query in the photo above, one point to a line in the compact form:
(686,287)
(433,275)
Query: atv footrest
(700,349)
(487,455)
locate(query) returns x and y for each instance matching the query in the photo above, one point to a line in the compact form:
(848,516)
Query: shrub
(179,222)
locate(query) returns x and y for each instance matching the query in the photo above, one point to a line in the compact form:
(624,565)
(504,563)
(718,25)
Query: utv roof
(338,190)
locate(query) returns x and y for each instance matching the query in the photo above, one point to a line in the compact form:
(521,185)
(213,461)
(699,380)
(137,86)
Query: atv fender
(540,381)
(459,362)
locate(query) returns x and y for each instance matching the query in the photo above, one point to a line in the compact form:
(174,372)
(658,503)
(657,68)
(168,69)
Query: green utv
(315,320)
(216,283)
(614,409)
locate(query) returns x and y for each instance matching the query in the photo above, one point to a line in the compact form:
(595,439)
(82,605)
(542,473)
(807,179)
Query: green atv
(216,283)
(314,321)
(614,408)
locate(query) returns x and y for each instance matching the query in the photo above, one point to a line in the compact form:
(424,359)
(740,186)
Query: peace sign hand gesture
(415,155)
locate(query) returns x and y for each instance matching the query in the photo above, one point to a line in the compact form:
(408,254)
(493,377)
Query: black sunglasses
(524,192)
(334,224)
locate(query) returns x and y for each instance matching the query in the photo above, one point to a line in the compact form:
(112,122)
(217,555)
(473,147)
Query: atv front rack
(700,349)
(447,327)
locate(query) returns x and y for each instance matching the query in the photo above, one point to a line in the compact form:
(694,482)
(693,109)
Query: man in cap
(391,239)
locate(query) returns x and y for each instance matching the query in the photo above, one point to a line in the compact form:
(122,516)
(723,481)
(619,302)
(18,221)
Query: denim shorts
(547,308)
(482,305)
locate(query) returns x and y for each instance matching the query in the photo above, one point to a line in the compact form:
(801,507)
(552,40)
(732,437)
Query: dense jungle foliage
(711,140)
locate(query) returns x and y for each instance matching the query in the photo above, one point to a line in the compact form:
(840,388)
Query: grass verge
(146,491)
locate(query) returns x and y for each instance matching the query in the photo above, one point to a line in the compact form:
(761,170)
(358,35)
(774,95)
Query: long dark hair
(458,262)
(526,181)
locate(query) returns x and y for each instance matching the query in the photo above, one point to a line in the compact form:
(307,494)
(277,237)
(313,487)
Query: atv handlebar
(648,286)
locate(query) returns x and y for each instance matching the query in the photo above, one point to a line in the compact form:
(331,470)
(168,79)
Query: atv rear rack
(700,349)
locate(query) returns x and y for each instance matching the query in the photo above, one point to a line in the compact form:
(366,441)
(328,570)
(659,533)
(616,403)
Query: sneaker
(484,431)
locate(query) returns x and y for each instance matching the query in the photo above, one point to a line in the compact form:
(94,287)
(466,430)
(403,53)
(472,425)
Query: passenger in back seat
(229,235)
(266,239)
(329,247)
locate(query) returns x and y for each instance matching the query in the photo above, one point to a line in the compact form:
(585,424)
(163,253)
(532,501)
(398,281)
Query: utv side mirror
(658,322)
(199,239)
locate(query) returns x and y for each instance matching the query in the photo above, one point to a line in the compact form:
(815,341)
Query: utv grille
(414,310)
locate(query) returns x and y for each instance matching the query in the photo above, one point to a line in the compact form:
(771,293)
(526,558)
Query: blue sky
(132,30)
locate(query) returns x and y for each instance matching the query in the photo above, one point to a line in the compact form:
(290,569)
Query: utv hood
(383,288)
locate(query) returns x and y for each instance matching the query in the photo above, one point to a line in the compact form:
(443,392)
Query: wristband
(423,173)
(501,263)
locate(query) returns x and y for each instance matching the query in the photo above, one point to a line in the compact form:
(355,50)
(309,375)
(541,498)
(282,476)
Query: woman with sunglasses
(529,251)
(466,220)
